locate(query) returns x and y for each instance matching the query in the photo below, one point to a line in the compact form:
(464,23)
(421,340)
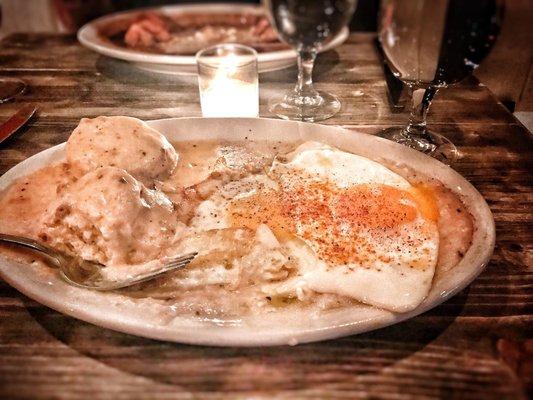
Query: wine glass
(11,88)
(430,44)
(307,25)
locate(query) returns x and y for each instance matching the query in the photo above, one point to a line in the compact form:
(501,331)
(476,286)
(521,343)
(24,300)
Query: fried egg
(356,228)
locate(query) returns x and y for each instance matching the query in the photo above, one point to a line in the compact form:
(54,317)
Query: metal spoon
(88,274)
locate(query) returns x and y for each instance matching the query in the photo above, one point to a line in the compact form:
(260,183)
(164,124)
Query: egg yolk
(332,218)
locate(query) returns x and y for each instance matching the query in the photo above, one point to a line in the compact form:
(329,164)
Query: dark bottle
(437,42)
(469,34)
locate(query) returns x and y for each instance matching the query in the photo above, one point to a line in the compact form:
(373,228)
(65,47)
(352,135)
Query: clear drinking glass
(307,25)
(430,44)
(228,81)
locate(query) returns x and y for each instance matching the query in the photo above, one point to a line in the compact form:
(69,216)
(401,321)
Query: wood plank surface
(477,345)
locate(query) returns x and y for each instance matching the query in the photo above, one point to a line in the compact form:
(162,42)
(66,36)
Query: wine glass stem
(421,100)
(304,87)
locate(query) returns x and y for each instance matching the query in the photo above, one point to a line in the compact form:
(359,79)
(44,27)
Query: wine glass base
(328,106)
(11,88)
(431,143)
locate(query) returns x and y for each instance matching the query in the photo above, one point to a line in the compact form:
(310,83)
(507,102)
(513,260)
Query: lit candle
(228,83)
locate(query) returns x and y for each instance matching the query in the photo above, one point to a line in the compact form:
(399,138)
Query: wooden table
(477,345)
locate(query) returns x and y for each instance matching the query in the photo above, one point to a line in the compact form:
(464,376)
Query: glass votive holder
(228,81)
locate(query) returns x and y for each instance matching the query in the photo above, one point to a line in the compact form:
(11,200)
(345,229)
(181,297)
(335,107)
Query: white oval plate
(183,65)
(149,319)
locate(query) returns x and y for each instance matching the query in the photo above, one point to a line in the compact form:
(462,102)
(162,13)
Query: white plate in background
(183,64)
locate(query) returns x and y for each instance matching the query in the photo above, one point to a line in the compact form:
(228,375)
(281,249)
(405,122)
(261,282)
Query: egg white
(326,163)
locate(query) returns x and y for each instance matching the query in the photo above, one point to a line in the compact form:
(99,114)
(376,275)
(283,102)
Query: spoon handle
(50,253)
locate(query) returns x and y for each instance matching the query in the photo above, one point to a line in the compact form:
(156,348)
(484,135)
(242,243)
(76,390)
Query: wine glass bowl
(429,45)
(307,25)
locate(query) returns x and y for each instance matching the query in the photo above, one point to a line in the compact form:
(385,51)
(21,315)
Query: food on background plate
(278,225)
(187,33)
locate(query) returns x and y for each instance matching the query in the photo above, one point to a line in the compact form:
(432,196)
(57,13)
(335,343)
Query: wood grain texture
(476,345)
